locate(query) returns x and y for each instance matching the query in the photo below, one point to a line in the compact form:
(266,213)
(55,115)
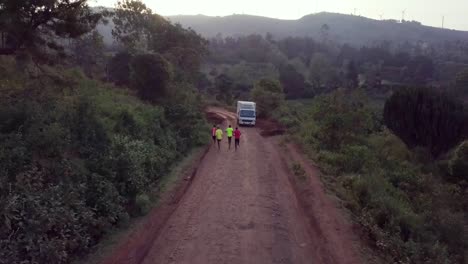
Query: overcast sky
(429,12)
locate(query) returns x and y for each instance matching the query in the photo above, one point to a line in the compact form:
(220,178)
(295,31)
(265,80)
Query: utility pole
(403,15)
(443,21)
(381,16)
(354,11)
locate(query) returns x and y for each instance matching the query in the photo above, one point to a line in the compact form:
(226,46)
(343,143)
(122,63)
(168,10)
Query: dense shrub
(426,118)
(224,86)
(268,94)
(118,68)
(342,117)
(150,75)
(76,163)
(289,115)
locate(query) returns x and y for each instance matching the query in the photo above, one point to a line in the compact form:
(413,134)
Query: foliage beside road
(82,144)
(411,203)
(76,163)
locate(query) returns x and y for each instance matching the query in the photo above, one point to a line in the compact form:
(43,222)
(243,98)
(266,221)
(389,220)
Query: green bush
(290,114)
(268,94)
(77,162)
(143,203)
(355,158)
(342,118)
(119,68)
(299,171)
(332,162)
(150,75)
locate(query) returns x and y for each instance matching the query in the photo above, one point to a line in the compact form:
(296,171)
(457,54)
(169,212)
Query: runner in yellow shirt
(219,136)
(229,132)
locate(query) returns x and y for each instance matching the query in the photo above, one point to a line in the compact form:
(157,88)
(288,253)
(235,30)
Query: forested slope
(87,134)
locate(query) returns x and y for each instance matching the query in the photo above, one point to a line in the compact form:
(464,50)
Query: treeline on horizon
(307,66)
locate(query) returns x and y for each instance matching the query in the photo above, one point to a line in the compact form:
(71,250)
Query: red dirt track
(245,207)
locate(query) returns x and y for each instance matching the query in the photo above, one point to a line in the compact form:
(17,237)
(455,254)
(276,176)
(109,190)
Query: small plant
(299,171)
(143,204)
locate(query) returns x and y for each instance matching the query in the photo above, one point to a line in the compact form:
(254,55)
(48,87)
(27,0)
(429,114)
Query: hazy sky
(428,12)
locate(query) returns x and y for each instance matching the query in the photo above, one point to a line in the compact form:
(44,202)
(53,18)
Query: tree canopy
(150,76)
(268,94)
(426,118)
(39,25)
(139,29)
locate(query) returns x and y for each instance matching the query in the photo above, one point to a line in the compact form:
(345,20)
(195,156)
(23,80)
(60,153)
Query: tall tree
(321,71)
(133,21)
(137,28)
(292,81)
(224,86)
(88,53)
(427,118)
(352,75)
(268,94)
(324,32)
(150,75)
(38,25)
(118,68)
(461,83)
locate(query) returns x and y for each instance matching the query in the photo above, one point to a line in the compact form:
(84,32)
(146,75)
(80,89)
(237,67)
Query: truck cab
(246,113)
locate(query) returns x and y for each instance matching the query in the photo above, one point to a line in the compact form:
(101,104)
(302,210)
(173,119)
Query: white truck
(246,113)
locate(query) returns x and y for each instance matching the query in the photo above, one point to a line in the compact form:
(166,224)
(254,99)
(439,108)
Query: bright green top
(229,131)
(219,134)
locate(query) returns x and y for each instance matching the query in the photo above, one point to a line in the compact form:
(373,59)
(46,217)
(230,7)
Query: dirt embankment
(269,128)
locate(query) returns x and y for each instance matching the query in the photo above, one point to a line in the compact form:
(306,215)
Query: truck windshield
(247,113)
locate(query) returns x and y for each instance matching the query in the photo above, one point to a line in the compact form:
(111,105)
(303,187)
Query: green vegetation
(150,75)
(80,157)
(268,94)
(458,165)
(426,118)
(308,67)
(77,162)
(461,84)
(299,171)
(411,205)
(37,25)
(87,131)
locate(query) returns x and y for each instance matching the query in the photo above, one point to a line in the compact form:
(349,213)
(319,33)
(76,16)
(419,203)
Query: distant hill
(355,30)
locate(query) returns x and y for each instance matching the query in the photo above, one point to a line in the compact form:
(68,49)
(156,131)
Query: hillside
(343,28)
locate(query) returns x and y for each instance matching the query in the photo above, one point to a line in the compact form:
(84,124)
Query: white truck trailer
(246,113)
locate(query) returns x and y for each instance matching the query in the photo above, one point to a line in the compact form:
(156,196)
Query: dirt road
(241,208)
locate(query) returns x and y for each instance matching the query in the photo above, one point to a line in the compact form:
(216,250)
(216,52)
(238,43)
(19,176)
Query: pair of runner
(217,135)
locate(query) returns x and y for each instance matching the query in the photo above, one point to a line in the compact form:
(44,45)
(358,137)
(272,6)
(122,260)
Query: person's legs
(219,144)
(214,139)
(236,143)
(229,142)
